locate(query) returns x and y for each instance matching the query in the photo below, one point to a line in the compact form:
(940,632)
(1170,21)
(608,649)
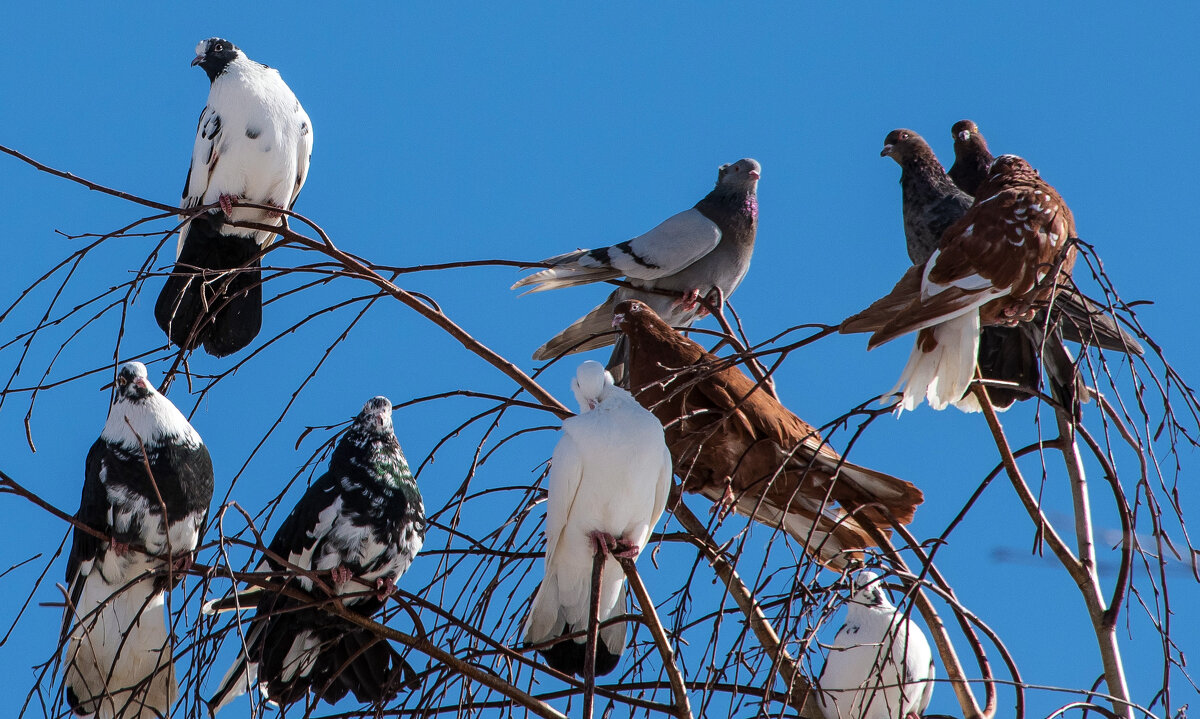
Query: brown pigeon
(1079,319)
(737,445)
(993,267)
(971,157)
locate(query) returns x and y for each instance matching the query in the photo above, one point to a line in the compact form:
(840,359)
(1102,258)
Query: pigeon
(993,267)
(672,267)
(609,479)
(880,665)
(119,662)
(971,157)
(734,443)
(363,521)
(1077,318)
(253,145)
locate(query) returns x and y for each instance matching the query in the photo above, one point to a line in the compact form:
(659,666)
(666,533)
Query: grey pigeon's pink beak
(754,175)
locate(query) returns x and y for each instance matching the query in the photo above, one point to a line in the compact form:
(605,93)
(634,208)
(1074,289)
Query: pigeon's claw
(341,575)
(688,302)
(603,542)
(181,562)
(724,506)
(227,203)
(626,551)
(384,586)
(119,548)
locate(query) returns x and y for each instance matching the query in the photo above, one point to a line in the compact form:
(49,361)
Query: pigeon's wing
(566,476)
(94,511)
(671,246)
(310,521)
(205,155)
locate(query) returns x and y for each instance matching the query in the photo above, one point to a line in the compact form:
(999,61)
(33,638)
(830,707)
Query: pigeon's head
(376,416)
(132,385)
(964,130)
(742,175)
(591,385)
(632,313)
(214,54)
(902,145)
(868,590)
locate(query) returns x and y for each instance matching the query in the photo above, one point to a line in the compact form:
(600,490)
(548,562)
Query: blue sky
(479,131)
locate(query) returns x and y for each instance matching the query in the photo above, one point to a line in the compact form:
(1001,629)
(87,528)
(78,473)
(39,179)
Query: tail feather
(579,267)
(119,663)
(942,363)
(549,619)
(597,322)
(222,312)
(1090,324)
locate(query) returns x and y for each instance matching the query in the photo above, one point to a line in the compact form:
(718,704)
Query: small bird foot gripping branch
(593,631)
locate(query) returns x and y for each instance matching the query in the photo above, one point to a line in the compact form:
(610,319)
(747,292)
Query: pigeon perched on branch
(737,445)
(880,665)
(1005,258)
(609,480)
(253,145)
(363,522)
(672,267)
(972,159)
(147,486)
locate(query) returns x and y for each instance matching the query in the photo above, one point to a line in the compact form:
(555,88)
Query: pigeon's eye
(904,136)
(121,381)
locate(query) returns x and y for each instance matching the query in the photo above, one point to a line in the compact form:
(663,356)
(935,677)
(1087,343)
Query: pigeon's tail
(214,294)
(581,267)
(311,650)
(942,363)
(827,534)
(1007,354)
(119,663)
(589,332)
(876,497)
(559,610)
(1089,324)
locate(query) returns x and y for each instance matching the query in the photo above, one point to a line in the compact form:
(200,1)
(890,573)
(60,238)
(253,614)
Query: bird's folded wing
(668,248)
(566,476)
(205,155)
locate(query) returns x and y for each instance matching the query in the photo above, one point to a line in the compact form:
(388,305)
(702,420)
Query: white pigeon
(253,144)
(686,256)
(609,479)
(880,665)
(118,657)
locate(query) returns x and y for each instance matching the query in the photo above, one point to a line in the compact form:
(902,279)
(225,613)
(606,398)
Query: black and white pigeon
(609,479)
(253,145)
(363,521)
(672,267)
(880,665)
(119,661)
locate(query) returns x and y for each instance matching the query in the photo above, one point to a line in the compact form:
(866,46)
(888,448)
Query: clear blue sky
(494,131)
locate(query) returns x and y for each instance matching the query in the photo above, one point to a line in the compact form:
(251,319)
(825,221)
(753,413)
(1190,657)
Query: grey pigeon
(148,484)
(253,144)
(609,480)
(671,267)
(880,665)
(362,519)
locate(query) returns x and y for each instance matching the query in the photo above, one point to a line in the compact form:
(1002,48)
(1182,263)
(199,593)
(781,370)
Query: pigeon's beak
(140,383)
(964,135)
(197,60)
(755,174)
(887,150)
(618,318)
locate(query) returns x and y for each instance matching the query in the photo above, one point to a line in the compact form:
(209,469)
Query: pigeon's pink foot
(725,504)
(689,301)
(603,542)
(227,203)
(119,548)
(276,213)
(626,551)
(341,575)
(182,562)
(384,586)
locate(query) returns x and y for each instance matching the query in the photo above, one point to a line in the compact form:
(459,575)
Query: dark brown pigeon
(1078,318)
(993,267)
(971,157)
(735,444)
